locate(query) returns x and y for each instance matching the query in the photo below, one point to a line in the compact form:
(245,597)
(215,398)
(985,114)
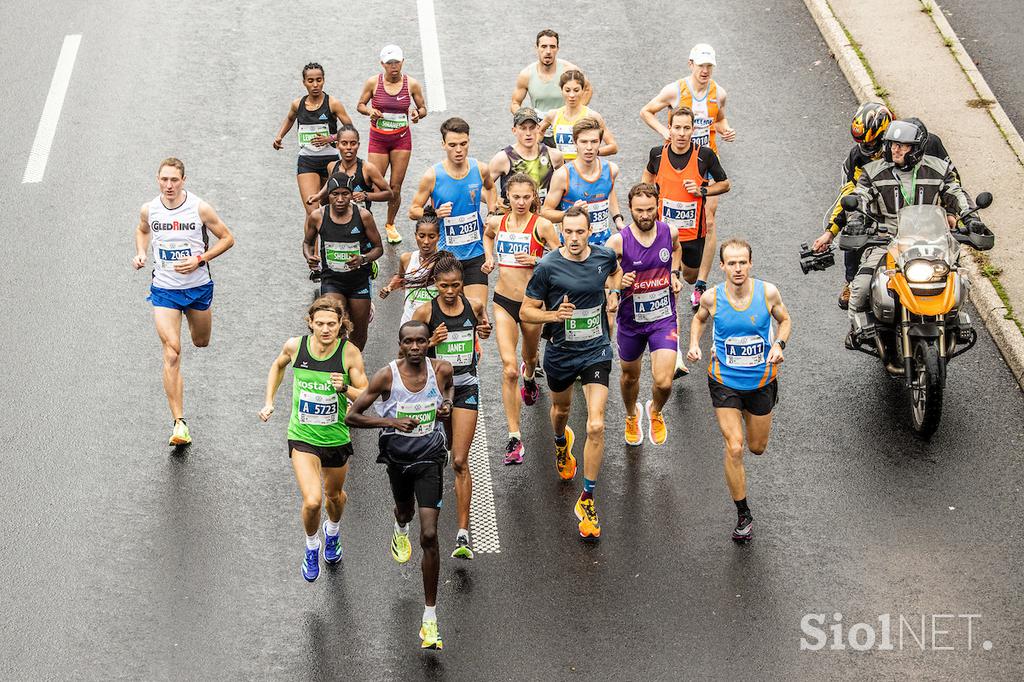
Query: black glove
(974,224)
(855,227)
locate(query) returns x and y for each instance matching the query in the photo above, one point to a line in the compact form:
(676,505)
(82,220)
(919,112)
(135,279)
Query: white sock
(429,613)
(312,541)
(404,530)
(332,527)
(463,533)
(532,376)
(515,434)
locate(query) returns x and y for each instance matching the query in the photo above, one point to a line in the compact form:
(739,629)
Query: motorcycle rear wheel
(926,388)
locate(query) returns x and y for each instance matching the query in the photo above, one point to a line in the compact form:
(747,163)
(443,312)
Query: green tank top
(545,96)
(318,411)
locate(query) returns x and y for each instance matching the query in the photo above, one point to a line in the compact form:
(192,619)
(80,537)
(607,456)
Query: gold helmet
(869,125)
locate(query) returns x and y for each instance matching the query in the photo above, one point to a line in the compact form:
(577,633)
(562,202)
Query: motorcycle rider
(906,175)
(867,129)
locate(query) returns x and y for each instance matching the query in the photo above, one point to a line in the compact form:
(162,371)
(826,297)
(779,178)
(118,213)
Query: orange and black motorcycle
(916,323)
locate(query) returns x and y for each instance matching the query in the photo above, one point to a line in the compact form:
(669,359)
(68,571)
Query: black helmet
(905,132)
(868,125)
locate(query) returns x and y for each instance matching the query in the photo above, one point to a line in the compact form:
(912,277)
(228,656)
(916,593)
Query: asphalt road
(121,560)
(990,32)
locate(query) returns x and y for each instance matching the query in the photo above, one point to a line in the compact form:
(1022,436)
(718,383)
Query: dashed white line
(431,56)
(37,158)
(482,517)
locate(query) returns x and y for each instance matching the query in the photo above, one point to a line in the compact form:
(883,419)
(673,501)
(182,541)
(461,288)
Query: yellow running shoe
(656,429)
(634,433)
(180,435)
(392,234)
(565,463)
(590,527)
(430,638)
(401,550)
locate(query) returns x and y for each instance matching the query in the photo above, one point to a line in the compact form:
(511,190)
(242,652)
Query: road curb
(983,295)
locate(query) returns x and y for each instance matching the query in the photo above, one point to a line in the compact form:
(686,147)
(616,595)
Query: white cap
(702,53)
(391,53)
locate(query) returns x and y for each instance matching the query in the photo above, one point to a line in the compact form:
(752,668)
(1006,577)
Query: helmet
(905,132)
(868,125)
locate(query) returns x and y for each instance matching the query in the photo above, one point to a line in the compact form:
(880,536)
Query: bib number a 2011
(584,325)
(318,409)
(744,351)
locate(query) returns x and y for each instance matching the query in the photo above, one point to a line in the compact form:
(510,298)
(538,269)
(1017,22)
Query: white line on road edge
(51,110)
(481,508)
(431,56)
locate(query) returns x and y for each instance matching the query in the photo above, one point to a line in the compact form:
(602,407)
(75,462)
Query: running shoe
(634,432)
(590,527)
(538,373)
(332,546)
(656,429)
(844,297)
(180,435)
(430,638)
(565,463)
(681,369)
(744,529)
(514,451)
(529,391)
(695,298)
(401,549)
(462,549)
(393,235)
(311,565)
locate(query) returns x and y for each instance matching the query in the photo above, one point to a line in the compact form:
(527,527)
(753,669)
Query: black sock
(741,507)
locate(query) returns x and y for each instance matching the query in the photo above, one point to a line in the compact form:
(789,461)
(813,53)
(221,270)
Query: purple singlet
(647,313)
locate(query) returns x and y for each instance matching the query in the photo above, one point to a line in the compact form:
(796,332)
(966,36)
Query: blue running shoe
(332,547)
(311,564)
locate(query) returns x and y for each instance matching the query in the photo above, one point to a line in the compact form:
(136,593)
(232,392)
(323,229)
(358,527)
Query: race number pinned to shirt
(339,253)
(424,413)
(584,325)
(508,244)
(307,131)
(460,230)
(318,408)
(744,351)
(651,306)
(680,215)
(702,131)
(390,122)
(169,253)
(598,212)
(563,139)
(458,348)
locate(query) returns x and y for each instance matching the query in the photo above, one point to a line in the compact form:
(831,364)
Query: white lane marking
(40,153)
(431,56)
(481,509)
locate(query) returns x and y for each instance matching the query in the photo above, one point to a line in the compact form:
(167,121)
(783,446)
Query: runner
(682,178)
(177,223)
(527,155)
(414,392)
(706,99)
(349,243)
(456,322)
(455,188)
(391,100)
(742,376)
(411,263)
(317,116)
(540,80)
(521,237)
(587,182)
(650,256)
(567,294)
(563,119)
(327,373)
(370,185)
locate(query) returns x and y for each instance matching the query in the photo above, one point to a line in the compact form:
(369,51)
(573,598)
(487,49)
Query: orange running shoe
(392,234)
(656,429)
(590,527)
(565,463)
(634,433)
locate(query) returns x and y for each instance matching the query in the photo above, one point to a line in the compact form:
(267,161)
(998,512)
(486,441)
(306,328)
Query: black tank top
(339,242)
(359,181)
(460,346)
(321,115)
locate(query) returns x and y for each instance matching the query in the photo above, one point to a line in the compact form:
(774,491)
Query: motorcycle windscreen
(923,233)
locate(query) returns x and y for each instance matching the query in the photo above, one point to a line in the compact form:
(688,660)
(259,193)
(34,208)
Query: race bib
(168,253)
(458,348)
(423,413)
(421,296)
(508,244)
(460,230)
(584,325)
(744,351)
(702,131)
(338,254)
(679,215)
(308,131)
(318,409)
(598,212)
(389,121)
(563,140)
(652,306)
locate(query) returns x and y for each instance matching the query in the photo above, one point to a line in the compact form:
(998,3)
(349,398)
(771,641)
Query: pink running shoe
(529,391)
(514,451)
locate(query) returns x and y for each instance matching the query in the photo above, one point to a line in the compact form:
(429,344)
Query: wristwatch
(703,192)
(782,344)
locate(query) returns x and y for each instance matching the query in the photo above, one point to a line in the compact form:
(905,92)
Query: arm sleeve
(712,166)
(654,160)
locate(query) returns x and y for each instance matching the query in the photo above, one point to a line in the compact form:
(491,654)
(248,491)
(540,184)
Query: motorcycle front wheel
(926,388)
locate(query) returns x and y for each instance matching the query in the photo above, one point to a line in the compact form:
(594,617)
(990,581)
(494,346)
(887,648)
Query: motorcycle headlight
(920,271)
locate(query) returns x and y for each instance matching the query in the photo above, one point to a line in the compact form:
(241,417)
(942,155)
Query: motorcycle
(915,324)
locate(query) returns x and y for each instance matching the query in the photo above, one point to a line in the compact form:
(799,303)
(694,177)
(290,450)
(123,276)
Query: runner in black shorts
(349,243)
(744,367)
(455,323)
(567,294)
(414,392)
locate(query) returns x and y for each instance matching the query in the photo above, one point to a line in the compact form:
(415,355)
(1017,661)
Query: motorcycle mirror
(850,203)
(983,200)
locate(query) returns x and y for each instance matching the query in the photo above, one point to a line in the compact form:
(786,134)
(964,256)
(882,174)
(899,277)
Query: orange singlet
(677,207)
(705,112)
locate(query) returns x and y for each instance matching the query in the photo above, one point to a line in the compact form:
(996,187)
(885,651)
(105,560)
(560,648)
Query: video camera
(809,260)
